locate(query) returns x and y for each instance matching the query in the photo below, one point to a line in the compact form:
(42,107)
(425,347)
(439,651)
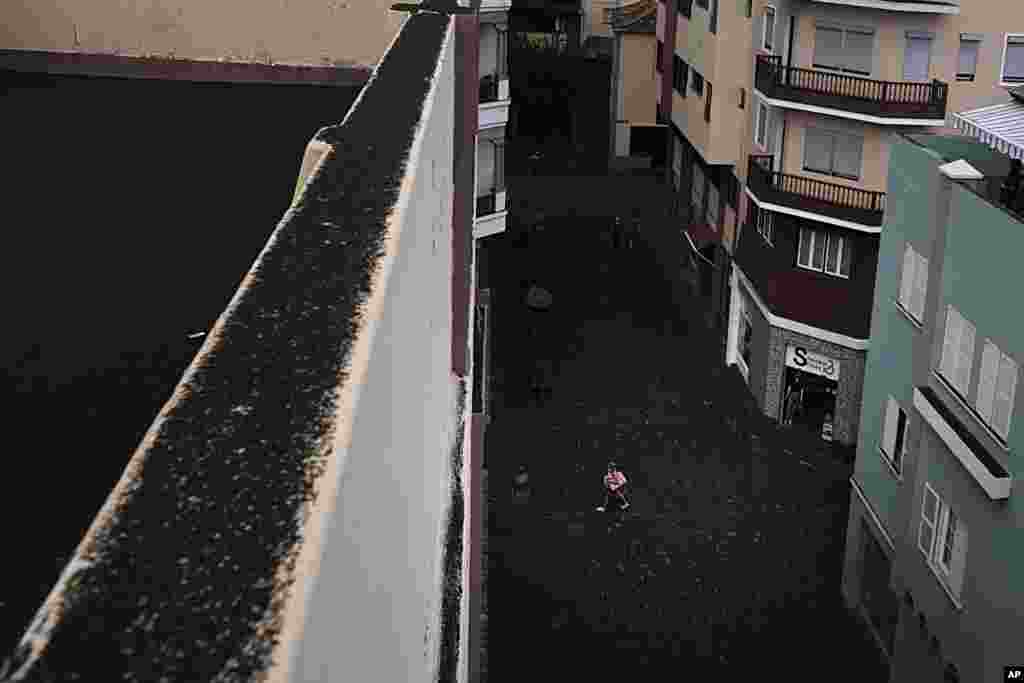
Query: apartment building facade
(633,109)
(828,85)
(931,563)
(700,60)
(495,98)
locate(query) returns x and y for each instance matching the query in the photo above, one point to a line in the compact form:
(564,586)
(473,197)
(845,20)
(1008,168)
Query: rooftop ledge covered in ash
(184,572)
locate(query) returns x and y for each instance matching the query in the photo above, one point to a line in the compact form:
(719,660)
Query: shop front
(810,385)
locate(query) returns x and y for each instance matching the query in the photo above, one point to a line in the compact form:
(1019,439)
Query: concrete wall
(638,93)
(315,32)
(372,613)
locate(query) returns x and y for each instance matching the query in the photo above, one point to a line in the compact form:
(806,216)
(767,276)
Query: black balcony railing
(892,99)
(815,196)
(489,88)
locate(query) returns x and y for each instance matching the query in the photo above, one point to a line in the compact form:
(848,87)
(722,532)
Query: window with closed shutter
(967,60)
(950,345)
(917,58)
(987,379)
(920,288)
(907,278)
(966,357)
(859,51)
(1006,387)
(847,156)
(828,47)
(889,428)
(929,520)
(817,150)
(1013,60)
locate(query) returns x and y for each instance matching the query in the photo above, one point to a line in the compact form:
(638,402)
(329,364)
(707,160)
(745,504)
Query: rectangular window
(707,104)
(844,49)
(743,97)
(1013,59)
(828,252)
(680,71)
(942,539)
(659,46)
(833,153)
(713,17)
(957,351)
(913,283)
(697,83)
(698,191)
(997,386)
(768,36)
(894,434)
(967,62)
(712,211)
(750,9)
(761,127)
(765,224)
(917,57)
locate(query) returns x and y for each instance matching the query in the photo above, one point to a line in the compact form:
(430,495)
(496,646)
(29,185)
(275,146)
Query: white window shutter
(1006,387)
(958,563)
(889,434)
(963,366)
(929,517)
(907,280)
(987,380)
(950,344)
(921,287)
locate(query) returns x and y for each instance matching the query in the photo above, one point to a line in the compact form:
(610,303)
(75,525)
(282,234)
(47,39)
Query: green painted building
(935,544)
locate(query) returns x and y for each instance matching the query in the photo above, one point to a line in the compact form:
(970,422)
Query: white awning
(1000,126)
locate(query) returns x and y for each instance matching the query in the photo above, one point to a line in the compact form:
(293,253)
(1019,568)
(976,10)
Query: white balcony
(981,465)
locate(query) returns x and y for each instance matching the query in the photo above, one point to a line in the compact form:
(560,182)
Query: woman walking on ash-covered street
(614,485)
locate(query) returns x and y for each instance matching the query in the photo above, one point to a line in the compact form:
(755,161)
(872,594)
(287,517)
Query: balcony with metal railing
(813,196)
(852,97)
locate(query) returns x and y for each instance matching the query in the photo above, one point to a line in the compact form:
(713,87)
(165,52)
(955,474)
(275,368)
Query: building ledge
(200,564)
(983,467)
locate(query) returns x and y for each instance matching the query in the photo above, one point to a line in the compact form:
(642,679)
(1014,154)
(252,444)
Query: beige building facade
(351,33)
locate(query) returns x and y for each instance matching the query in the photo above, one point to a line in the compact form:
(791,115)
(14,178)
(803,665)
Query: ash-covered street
(728,558)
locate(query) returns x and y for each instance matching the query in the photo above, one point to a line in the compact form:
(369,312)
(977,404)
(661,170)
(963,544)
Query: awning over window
(1000,126)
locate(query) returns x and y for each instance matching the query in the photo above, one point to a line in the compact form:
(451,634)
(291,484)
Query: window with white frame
(967,61)
(768,36)
(761,126)
(765,224)
(833,152)
(997,386)
(844,49)
(894,432)
(957,351)
(825,251)
(942,539)
(913,283)
(698,191)
(1013,59)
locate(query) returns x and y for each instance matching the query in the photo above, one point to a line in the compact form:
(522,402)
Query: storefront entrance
(809,393)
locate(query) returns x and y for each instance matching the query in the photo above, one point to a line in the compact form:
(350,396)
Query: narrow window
(1013,59)
(967,61)
(768,38)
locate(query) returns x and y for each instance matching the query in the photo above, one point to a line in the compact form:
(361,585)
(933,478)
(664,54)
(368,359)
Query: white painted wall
(312,32)
(372,612)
